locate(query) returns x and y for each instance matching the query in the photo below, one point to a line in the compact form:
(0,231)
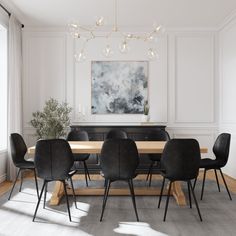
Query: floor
(218,212)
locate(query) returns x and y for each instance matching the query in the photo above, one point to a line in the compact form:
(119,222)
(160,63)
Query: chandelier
(88,34)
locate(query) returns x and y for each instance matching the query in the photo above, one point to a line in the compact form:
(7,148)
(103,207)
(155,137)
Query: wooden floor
(231,182)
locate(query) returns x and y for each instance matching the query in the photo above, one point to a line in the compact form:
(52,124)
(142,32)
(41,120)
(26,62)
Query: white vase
(145,118)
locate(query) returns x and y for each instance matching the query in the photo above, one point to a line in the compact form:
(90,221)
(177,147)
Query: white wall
(182,83)
(227,90)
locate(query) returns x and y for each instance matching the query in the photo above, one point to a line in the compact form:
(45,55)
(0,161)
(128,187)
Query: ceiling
(136,13)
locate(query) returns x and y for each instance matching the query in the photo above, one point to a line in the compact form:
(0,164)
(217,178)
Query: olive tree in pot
(53,121)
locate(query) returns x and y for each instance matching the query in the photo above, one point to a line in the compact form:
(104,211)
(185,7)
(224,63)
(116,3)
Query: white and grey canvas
(119,87)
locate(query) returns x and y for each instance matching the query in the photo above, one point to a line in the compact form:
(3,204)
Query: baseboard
(3,178)
(228,176)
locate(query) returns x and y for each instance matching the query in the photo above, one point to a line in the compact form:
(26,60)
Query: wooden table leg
(178,193)
(57,193)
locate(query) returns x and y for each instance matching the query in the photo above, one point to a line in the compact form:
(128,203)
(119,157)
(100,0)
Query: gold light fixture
(88,34)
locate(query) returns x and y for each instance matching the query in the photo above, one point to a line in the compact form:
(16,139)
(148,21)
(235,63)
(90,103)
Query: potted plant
(53,121)
(145,117)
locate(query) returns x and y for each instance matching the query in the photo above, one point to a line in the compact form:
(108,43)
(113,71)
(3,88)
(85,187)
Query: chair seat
(210,163)
(26,165)
(132,177)
(177,178)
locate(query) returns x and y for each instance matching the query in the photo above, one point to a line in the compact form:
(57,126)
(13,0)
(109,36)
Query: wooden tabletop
(96,146)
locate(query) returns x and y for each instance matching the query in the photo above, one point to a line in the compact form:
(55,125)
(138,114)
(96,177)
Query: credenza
(98,133)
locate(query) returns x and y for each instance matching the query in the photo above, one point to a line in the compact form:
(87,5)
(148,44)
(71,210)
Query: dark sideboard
(99,132)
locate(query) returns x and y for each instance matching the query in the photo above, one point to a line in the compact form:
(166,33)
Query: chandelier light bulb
(107,52)
(75,35)
(152,54)
(124,48)
(100,21)
(150,38)
(129,36)
(80,57)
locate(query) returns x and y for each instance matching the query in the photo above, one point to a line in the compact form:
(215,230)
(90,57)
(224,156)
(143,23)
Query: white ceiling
(138,13)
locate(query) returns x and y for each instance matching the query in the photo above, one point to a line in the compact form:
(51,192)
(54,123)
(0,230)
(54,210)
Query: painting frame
(137,109)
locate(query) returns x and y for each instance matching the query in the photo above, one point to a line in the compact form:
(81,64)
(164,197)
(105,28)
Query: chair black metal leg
(217,181)
(189,195)
(40,196)
(131,187)
(203,183)
(194,184)
(45,195)
(167,201)
(105,189)
(195,200)
(162,188)
(14,184)
(105,183)
(73,190)
(67,200)
(150,179)
(108,183)
(222,175)
(149,170)
(86,169)
(21,179)
(85,174)
(36,182)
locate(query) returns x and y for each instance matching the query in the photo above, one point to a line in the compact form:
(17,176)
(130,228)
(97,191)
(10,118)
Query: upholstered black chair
(18,151)
(119,160)
(180,162)
(157,135)
(221,152)
(80,136)
(53,162)
(116,133)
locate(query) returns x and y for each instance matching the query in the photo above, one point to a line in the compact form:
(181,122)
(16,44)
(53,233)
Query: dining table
(95,147)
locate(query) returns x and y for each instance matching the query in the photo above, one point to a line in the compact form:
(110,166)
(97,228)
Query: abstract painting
(119,87)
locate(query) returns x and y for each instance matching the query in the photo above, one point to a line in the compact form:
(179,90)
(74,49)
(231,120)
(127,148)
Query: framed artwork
(119,87)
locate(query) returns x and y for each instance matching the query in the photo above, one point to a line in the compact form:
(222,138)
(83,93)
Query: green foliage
(52,121)
(146,108)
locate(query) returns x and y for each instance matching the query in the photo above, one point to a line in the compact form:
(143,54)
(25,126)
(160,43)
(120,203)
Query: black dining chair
(180,162)
(18,151)
(221,151)
(80,136)
(119,160)
(53,162)
(156,135)
(116,133)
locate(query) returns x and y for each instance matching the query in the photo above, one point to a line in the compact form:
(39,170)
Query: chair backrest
(77,136)
(181,159)
(116,134)
(53,159)
(221,148)
(158,135)
(119,159)
(18,148)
